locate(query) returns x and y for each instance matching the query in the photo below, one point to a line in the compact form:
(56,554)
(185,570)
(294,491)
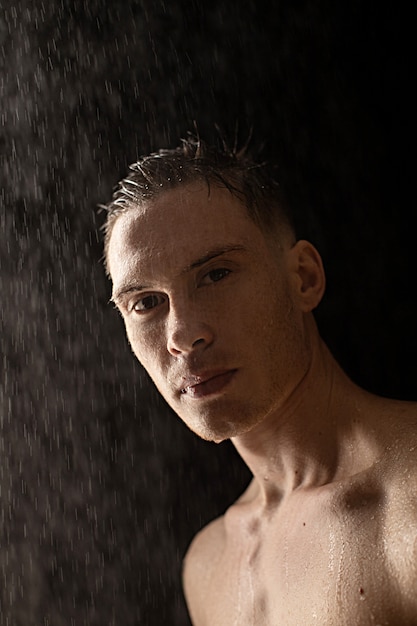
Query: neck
(314,437)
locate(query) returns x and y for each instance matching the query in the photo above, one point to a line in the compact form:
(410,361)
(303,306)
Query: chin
(215,429)
(220,418)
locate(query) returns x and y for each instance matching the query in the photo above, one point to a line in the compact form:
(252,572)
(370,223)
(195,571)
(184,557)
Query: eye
(148,302)
(215,275)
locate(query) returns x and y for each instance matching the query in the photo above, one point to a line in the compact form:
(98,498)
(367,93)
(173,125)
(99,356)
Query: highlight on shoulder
(199,564)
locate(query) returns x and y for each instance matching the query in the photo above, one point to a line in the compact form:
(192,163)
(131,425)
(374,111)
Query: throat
(305,442)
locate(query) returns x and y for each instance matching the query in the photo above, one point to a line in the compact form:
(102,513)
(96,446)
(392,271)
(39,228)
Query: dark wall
(101,486)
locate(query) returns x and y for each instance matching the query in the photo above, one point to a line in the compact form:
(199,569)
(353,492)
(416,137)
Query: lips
(199,386)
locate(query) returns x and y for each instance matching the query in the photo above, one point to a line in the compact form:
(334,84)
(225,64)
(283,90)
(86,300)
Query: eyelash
(222,270)
(161,299)
(153,296)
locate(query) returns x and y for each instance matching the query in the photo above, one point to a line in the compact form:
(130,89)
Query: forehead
(177,227)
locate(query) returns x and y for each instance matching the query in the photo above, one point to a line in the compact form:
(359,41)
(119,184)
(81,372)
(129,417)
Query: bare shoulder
(398,475)
(200,561)
(396,470)
(203,558)
(400,462)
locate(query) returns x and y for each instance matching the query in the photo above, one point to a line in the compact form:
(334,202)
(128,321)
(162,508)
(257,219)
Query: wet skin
(207,304)
(220,315)
(339,553)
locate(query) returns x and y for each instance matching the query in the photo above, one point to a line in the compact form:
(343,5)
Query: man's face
(207,301)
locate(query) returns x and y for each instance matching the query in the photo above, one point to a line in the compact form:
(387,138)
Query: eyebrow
(208,256)
(212,254)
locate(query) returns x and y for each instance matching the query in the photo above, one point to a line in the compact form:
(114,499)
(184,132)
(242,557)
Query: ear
(309,280)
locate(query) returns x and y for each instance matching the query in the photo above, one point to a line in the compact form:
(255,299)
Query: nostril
(183,337)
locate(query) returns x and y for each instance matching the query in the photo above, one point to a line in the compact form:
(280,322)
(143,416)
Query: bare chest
(311,564)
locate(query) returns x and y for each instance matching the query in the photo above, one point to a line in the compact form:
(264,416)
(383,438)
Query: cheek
(146,345)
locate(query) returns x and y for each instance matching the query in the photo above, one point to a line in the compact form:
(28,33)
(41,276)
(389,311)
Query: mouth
(207,384)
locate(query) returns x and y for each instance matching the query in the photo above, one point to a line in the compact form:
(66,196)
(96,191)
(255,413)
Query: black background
(101,486)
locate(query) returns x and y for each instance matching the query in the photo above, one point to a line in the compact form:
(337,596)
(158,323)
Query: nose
(187,332)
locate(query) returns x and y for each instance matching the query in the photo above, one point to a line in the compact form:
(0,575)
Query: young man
(218,295)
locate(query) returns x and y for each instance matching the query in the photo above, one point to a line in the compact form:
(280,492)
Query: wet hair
(253,183)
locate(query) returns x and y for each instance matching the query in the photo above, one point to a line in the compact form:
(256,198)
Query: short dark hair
(254,183)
